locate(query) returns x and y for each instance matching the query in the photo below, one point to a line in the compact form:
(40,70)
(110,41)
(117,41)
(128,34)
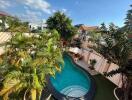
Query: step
(74,91)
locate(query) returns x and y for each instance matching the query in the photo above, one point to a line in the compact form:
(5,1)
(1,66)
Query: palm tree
(126,72)
(128,21)
(26,62)
(103,28)
(62,24)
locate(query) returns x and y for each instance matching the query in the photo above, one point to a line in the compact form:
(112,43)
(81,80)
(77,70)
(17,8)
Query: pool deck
(85,66)
(104,88)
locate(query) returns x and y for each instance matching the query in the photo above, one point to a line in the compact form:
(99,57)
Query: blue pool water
(71,81)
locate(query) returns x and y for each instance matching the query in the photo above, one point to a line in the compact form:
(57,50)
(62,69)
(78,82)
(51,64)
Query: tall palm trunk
(128,90)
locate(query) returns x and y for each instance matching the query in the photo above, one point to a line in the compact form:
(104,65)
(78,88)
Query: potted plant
(92,63)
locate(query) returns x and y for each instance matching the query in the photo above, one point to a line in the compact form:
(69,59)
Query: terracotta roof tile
(4,13)
(88,28)
(129,35)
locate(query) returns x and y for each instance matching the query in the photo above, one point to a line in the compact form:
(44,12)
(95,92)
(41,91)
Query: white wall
(102,66)
(4,36)
(115,78)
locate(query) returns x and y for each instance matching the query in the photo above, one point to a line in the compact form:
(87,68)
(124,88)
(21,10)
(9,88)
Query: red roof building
(130,36)
(4,14)
(88,28)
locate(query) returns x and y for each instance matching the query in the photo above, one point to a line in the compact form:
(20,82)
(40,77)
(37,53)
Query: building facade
(84,31)
(3,24)
(37,26)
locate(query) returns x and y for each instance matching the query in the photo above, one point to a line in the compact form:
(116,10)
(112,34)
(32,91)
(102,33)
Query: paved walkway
(86,67)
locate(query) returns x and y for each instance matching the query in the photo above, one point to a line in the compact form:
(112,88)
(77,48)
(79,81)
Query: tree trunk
(128,90)
(123,86)
(24,98)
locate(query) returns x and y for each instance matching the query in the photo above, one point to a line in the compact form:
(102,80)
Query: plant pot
(91,67)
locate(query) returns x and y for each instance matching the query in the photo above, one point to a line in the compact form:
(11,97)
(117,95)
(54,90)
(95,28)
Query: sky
(88,12)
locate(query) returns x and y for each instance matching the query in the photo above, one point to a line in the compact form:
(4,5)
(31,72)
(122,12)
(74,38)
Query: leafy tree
(62,24)
(118,49)
(112,28)
(103,28)
(15,25)
(95,36)
(76,43)
(26,62)
(2,25)
(128,21)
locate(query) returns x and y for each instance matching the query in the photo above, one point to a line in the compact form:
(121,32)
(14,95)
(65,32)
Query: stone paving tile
(86,67)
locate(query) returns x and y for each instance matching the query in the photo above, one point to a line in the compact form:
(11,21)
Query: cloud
(4,4)
(33,9)
(53,11)
(30,16)
(41,5)
(64,10)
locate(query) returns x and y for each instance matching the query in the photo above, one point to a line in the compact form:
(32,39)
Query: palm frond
(113,72)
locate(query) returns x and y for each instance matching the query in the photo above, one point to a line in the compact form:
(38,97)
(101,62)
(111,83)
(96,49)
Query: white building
(2,22)
(37,26)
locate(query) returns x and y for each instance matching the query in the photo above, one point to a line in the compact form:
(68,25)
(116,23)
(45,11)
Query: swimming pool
(72,81)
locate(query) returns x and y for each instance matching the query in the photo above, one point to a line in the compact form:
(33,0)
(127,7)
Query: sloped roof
(2,13)
(88,28)
(130,36)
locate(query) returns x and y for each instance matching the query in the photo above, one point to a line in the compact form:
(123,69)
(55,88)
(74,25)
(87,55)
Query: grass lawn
(104,89)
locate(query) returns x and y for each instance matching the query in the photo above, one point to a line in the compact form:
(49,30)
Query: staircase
(74,91)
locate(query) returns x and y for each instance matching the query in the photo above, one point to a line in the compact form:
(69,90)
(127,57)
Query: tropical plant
(117,50)
(128,21)
(26,62)
(62,24)
(95,36)
(76,43)
(126,72)
(2,24)
(92,63)
(112,28)
(103,28)
(15,25)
